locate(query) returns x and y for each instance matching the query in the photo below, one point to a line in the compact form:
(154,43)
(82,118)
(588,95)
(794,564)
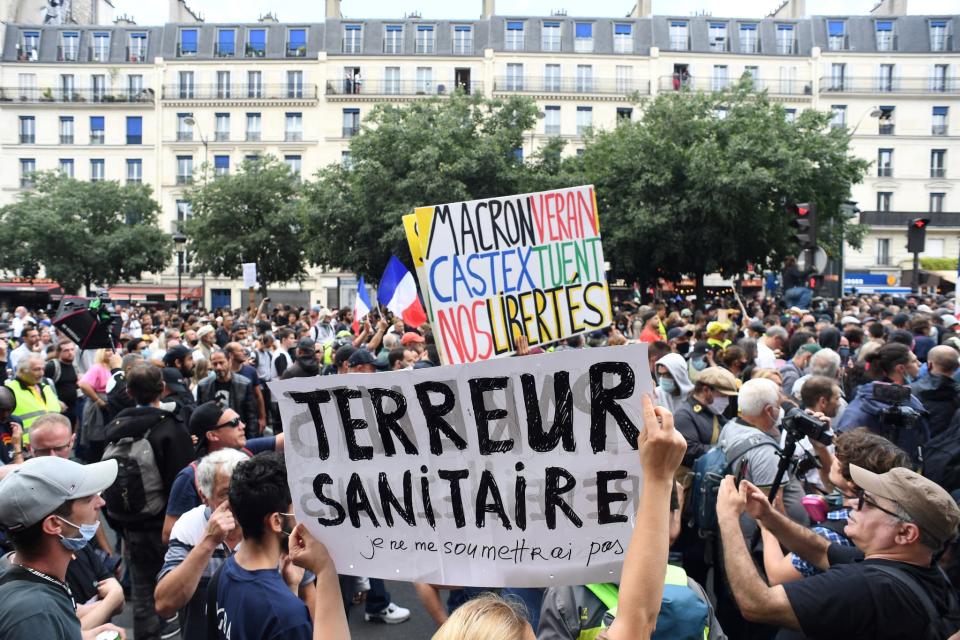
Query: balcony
(98,54)
(28,138)
(189,52)
(406,88)
(253,136)
(184,179)
(938,172)
(184,136)
(838,43)
(938,130)
(293,136)
(941,43)
(571,85)
(350,131)
(787,47)
(903,218)
(97,137)
(255,51)
(76,96)
(884,171)
(68,54)
(27,183)
(136,54)
(66,139)
(885,85)
(240,92)
(887,43)
(229,51)
(296,51)
(221,136)
(773,87)
(885,129)
(28,53)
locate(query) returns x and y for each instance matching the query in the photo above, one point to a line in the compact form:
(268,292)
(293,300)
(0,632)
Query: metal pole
(179,281)
(915,281)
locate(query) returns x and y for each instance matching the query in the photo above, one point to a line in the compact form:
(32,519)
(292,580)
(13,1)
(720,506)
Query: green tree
(253,215)
(700,183)
(84,233)
(424,153)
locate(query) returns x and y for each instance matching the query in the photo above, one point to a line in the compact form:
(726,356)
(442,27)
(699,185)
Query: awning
(136,293)
(37,286)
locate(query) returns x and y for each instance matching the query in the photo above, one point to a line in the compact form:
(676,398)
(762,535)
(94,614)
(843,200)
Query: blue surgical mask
(87,531)
(668,385)
(699,363)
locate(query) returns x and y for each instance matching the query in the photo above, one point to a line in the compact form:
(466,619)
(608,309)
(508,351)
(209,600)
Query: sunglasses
(230,423)
(862,499)
(46,451)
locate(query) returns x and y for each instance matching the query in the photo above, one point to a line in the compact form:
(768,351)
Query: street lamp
(873,112)
(190,121)
(180,241)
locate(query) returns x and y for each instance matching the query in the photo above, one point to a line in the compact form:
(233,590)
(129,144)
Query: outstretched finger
(665,418)
(650,419)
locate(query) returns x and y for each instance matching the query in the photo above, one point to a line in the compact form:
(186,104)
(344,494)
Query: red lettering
(479,308)
(469,341)
(538,214)
(573,214)
(448,329)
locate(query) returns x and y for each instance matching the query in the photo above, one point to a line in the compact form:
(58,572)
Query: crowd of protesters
(173,442)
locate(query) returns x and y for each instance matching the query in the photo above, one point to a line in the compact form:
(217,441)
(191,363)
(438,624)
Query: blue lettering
(433,279)
(481,288)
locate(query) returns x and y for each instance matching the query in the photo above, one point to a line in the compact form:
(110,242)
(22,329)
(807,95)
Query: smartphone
(741,472)
(816,507)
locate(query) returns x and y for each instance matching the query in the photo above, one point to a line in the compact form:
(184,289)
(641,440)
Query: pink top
(97,377)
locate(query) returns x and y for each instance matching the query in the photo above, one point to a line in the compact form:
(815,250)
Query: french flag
(361,307)
(398,293)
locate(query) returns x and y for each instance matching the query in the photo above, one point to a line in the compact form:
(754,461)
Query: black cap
(205,418)
(172,377)
(307,344)
(700,348)
(178,352)
(361,357)
(678,332)
(757,326)
(343,354)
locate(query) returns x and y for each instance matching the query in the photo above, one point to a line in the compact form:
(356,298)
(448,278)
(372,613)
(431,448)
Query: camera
(800,424)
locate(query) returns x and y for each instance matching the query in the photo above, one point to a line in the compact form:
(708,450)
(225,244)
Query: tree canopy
(83,233)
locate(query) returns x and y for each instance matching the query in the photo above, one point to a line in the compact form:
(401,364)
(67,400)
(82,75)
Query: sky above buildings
(154,12)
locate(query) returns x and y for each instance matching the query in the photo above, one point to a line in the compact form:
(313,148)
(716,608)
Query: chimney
(182,14)
(124,21)
(333,10)
(268,17)
(643,9)
(890,8)
(791,10)
(488,9)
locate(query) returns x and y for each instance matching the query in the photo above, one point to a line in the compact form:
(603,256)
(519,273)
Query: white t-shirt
(766,358)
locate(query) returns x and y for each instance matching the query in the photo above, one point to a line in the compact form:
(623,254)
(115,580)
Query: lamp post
(180,241)
(192,122)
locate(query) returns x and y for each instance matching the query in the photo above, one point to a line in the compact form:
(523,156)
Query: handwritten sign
(249,274)
(527,265)
(509,472)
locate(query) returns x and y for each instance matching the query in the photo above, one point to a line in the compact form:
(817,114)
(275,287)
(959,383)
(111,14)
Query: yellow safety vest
(29,407)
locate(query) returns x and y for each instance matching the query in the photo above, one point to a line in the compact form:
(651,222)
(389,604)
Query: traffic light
(804,223)
(917,234)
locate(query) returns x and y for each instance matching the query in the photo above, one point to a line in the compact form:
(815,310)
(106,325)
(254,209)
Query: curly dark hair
(258,488)
(868,450)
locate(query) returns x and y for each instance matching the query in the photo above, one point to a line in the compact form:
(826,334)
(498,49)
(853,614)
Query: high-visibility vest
(29,407)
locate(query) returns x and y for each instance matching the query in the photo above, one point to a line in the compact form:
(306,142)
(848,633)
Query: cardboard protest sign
(509,472)
(526,265)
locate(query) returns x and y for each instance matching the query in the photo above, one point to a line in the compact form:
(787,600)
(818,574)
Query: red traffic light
(919,223)
(802,211)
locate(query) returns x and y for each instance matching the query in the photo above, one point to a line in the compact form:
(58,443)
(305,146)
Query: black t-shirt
(84,572)
(6,442)
(66,384)
(32,608)
(854,600)
(221,392)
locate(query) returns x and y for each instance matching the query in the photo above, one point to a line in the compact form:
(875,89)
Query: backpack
(941,457)
(138,492)
(937,626)
(708,471)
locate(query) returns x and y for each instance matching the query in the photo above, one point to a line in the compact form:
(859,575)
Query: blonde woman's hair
(102,356)
(487,617)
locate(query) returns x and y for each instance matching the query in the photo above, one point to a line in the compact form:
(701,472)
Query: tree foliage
(700,183)
(254,215)
(83,233)
(424,153)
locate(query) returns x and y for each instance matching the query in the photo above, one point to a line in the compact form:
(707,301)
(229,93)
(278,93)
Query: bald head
(943,360)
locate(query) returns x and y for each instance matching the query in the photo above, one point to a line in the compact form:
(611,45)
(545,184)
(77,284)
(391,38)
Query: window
(28,130)
(786,43)
(184,128)
(184,212)
(938,163)
(424,80)
(345,160)
(884,199)
(518,155)
(134,171)
(66,129)
(718,37)
(253,127)
(886,121)
(97,170)
(938,81)
(391,80)
(100,51)
(623,38)
(30,46)
(221,127)
(184,169)
(223,85)
(936,202)
(293,129)
(551,36)
(66,167)
(68,91)
(256,43)
(938,35)
(98,87)
(624,78)
(551,120)
(134,130)
(883,251)
(425,39)
(351,122)
(226,43)
(297,43)
(839,119)
(514,77)
(251,158)
(838,76)
(720,80)
(294,163)
(27,83)
(514,36)
(97,134)
(188,42)
(583,37)
(790,115)
(294,84)
(886,41)
(254,84)
(679,36)
(885,78)
(462,40)
(352,38)
(720,113)
(584,119)
(551,77)
(749,42)
(836,35)
(221,165)
(939,121)
(135,87)
(584,78)
(393,39)
(788,79)
(885,163)
(69,46)
(934,247)
(28,167)
(186,85)
(624,114)
(137,47)
(754,74)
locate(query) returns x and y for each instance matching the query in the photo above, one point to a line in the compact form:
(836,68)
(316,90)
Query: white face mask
(779,418)
(720,404)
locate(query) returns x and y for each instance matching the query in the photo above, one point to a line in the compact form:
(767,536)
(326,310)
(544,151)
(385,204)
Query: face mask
(779,419)
(699,363)
(669,386)
(87,531)
(683,348)
(720,404)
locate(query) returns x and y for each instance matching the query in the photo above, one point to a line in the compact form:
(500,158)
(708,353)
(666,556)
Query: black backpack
(941,457)
(138,492)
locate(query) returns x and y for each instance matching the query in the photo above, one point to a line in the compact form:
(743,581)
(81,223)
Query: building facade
(153,104)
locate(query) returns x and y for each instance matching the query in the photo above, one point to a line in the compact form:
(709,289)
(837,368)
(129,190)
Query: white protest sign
(249,274)
(509,472)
